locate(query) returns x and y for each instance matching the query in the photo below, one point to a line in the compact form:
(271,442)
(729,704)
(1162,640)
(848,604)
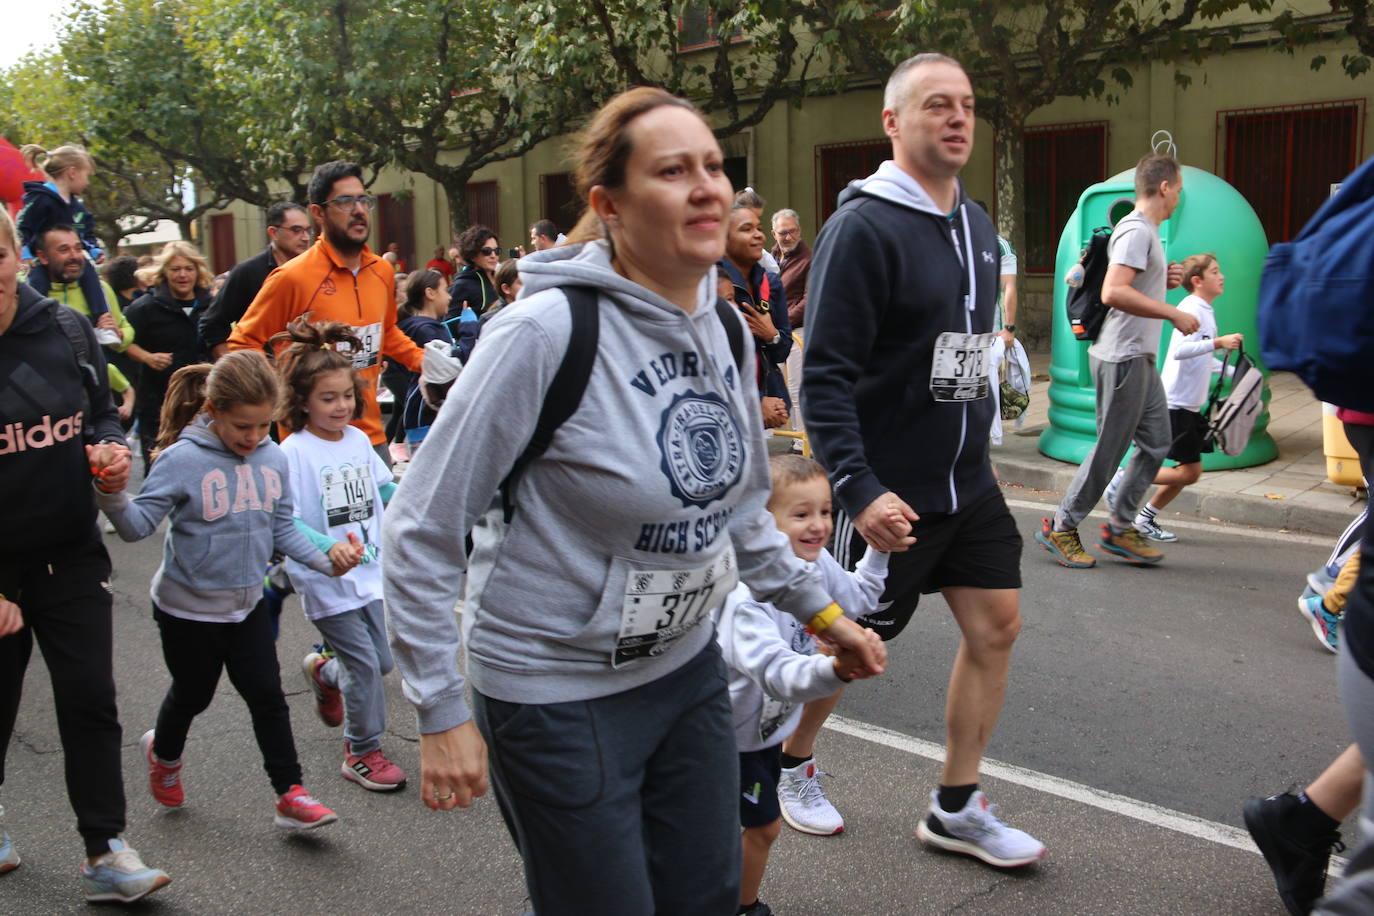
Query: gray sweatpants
(626,804)
(361,658)
(1131,407)
(1354,893)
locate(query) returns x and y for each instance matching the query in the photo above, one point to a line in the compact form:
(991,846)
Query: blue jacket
(44,208)
(228,515)
(415,413)
(763,290)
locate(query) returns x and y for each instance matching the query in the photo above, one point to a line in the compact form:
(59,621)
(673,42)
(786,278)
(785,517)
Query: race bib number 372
(959,367)
(663,605)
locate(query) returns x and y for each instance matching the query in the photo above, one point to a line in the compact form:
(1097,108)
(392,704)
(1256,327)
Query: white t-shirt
(335,487)
(1191,363)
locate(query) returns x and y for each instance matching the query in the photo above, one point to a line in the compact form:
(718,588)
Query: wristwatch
(1009,327)
(777,336)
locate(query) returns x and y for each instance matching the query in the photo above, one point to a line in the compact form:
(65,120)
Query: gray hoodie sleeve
(135,519)
(767,564)
(482,428)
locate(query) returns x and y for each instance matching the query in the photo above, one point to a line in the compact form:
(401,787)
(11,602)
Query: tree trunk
(1011,172)
(456,192)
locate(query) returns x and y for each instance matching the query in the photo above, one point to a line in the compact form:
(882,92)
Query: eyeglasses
(348,203)
(786,233)
(295,230)
(489,251)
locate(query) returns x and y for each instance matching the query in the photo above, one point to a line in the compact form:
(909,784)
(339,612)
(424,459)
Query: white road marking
(1155,815)
(1184,524)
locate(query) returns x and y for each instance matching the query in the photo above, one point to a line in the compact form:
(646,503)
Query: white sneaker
(119,876)
(9,859)
(976,831)
(804,805)
(1151,530)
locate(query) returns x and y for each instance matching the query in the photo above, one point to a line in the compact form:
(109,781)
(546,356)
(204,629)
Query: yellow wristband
(822,621)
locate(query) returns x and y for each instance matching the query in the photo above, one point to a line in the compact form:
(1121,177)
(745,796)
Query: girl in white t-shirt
(340,484)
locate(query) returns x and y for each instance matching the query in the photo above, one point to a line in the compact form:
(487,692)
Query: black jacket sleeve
(849,287)
(228,306)
(103,424)
(777,310)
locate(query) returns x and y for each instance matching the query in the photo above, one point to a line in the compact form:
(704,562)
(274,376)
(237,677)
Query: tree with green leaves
(1022,55)
(133,187)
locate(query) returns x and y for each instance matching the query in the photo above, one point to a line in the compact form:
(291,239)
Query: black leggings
(196,652)
(66,608)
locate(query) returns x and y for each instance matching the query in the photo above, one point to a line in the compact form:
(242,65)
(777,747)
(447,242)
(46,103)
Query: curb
(1198,500)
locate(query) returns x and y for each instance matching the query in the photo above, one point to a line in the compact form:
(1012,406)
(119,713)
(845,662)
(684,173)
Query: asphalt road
(1144,706)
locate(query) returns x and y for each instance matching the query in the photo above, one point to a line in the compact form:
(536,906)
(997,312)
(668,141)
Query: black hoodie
(45,481)
(886,281)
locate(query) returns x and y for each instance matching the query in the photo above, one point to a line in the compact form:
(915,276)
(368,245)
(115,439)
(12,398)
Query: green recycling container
(1211,217)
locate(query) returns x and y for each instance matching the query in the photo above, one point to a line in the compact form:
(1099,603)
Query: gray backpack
(1231,419)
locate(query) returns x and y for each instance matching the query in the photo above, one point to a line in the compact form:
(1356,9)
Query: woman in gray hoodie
(599,695)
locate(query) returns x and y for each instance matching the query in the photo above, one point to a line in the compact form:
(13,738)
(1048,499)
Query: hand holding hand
(760,325)
(885,523)
(346,556)
(11,617)
(110,465)
(860,653)
(453,767)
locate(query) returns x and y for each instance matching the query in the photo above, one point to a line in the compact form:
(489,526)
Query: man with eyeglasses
(338,279)
(794,266)
(288,234)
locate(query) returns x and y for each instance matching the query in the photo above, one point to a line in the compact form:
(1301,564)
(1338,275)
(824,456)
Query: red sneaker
(328,700)
(297,810)
(373,770)
(164,779)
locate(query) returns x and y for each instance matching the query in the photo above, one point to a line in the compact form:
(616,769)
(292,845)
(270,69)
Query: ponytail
(314,349)
(241,377)
(58,161)
(185,399)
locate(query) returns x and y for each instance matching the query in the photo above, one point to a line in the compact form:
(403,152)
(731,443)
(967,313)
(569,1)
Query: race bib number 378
(663,605)
(959,367)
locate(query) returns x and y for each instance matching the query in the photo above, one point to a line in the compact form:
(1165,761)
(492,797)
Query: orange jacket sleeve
(270,311)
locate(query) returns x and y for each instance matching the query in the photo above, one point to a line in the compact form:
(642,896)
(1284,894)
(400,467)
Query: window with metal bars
(697,26)
(837,164)
(1284,160)
(1061,161)
(484,205)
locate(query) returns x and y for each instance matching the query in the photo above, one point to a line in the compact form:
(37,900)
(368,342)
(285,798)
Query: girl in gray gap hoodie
(224,485)
(649,500)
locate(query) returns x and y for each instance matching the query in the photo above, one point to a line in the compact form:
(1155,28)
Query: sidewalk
(1291,492)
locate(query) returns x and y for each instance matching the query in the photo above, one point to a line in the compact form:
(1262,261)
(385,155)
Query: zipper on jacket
(970,288)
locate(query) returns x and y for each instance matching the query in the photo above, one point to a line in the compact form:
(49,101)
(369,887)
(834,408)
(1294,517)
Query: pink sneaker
(373,771)
(297,810)
(164,779)
(328,700)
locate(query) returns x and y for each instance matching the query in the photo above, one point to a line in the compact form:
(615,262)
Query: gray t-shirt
(1134,243)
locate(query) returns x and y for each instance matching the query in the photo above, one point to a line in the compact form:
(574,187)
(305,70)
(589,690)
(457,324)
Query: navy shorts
(1188,428)
(758,782)
(977,547)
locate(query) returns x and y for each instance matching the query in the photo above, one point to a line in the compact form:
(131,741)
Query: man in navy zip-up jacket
(895,390)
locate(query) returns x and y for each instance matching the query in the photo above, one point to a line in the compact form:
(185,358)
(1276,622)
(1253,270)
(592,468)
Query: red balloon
(13,173)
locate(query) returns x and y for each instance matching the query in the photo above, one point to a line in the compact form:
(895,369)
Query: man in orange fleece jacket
(337,279)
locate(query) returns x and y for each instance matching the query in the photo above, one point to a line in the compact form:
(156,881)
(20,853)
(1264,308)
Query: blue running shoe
(119,876)
(1324,623)
(9,859)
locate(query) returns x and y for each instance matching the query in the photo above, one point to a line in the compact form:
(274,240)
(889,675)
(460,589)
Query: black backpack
(1086,309)
(570,381)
